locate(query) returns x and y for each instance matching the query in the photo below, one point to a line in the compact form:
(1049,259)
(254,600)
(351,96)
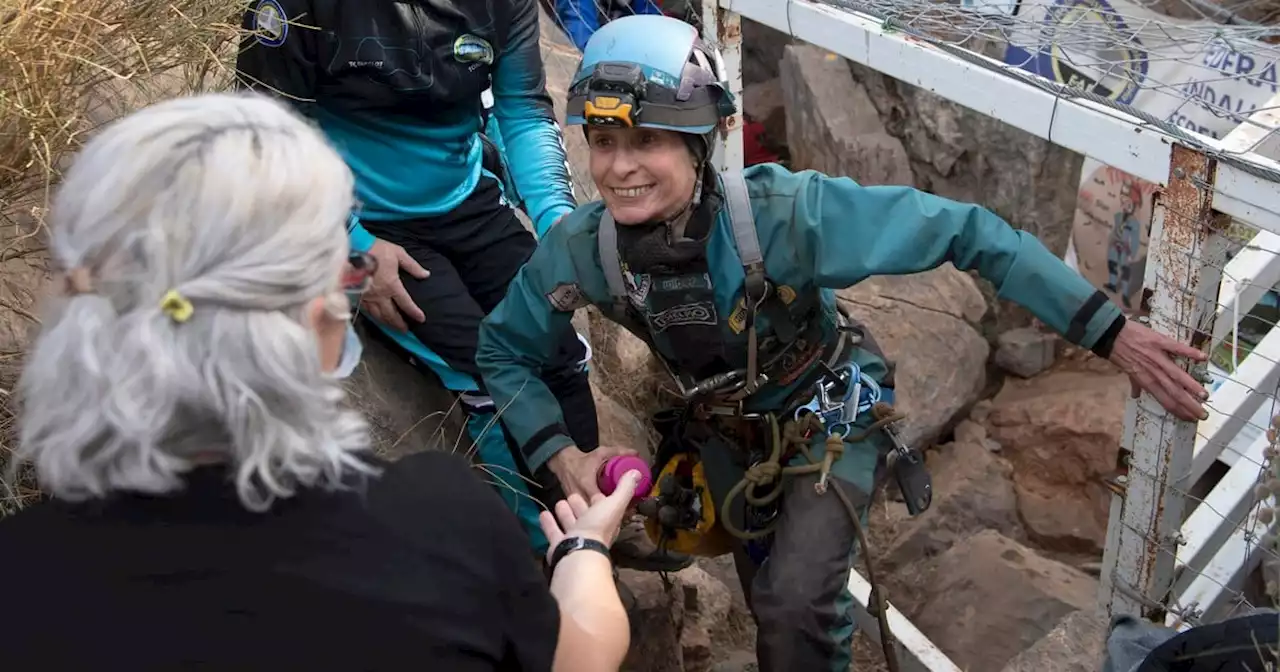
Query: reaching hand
(577,470)
(599,520)
(386,297)
(1148,359)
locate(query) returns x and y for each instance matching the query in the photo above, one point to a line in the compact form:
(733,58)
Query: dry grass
(66,68)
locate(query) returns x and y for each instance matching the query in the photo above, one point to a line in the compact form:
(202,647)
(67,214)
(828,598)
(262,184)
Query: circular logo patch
(270,23)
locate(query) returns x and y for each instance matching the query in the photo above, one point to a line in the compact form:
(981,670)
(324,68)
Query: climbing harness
(840,398)
(759,295)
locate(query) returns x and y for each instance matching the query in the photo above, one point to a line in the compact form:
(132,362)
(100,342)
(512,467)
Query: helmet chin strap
(678,223)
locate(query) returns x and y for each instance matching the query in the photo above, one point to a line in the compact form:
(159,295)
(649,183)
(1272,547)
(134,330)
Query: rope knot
(835,446)
(763,473)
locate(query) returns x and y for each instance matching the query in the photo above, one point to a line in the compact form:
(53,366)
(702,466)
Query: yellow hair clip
(176,306)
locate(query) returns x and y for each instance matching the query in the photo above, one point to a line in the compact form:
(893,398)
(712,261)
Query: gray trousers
(799,595)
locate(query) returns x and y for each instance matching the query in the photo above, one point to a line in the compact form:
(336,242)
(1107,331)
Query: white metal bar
(1005,93)
(1111,546)
(1252,272)
(1211,588)
(1248,276)
(915,651)
(1219,513)
(725,29)
(1258,133)
(1233,406)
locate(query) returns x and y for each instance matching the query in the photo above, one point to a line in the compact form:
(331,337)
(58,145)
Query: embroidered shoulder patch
(270,23)
(567,297)
(702,312)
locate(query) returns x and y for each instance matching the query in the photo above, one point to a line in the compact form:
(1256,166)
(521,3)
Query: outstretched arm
(535,148)
(845,233)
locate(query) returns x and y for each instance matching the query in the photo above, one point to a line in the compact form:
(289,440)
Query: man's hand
(577,470)
(1148,359)
(386,297)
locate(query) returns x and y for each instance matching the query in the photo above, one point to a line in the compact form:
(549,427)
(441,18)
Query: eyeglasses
(358,274)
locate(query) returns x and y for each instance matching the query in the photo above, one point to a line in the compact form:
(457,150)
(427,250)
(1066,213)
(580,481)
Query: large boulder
(832,125)
(879,130)
(407,407)
(968,156)
(925,323)
(1061,431)
(692,622)
(621,427)
(972,492)
(1075,645)
(990,598)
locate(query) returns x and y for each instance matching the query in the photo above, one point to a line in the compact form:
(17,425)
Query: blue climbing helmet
(653,72)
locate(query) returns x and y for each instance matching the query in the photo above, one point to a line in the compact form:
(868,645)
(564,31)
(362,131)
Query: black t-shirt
(423,568)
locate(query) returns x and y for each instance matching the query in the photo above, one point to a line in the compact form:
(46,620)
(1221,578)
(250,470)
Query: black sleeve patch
(567,297)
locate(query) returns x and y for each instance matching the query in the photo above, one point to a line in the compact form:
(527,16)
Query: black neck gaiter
(680,301)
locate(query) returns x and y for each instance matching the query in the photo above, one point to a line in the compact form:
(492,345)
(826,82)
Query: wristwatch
(571,544)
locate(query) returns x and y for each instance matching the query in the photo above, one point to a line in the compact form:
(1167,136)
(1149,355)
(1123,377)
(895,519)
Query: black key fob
(913,479)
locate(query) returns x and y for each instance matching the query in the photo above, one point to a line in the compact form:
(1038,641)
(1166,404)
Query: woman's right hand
(598,520)
(576,471)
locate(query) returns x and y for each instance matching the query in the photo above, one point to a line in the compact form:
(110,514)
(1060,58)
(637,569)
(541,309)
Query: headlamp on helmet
(613,95)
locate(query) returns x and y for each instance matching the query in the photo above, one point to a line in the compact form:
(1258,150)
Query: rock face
(1025,351)
(696,623)
(832,125)
(972,492)
(1061,432)
(1077,644)
(967,156)
(620,427)
(990,598)
(407,408)
(765,102)
(924,322)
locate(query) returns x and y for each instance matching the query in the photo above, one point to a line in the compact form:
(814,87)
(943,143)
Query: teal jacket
(816,233)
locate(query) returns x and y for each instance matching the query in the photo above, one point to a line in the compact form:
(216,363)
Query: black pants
(473,253)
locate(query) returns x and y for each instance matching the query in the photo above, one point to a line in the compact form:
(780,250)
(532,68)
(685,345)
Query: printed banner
(1151,62)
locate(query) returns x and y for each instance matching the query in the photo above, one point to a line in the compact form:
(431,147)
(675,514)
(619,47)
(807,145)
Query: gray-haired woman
(213,503)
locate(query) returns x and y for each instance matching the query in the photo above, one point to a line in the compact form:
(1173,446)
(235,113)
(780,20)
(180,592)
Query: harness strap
(611,263)
(755,286)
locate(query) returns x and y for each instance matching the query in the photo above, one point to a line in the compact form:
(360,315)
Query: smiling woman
(731,279)
(643,174)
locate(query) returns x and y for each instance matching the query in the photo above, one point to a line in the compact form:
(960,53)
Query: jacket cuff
(549,219)
(544,445)
(361,239)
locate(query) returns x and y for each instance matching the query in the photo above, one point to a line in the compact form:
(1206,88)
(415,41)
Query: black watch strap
(571,544)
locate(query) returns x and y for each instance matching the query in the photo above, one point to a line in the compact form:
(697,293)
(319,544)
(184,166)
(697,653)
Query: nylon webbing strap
(742,219)
(743,222)
(610,262)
